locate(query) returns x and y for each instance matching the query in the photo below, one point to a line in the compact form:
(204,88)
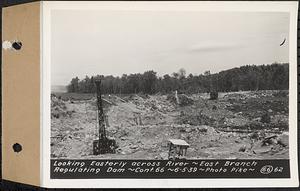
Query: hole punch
(17,147)
(6,45)
(17,45)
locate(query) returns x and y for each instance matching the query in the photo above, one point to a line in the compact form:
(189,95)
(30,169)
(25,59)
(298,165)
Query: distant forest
(249,77)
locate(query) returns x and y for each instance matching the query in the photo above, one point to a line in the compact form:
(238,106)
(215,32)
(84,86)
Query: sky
(124,42)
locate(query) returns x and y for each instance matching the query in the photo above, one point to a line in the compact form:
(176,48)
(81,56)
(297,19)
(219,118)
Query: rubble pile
(59,108)
(183,99)
(213,95)
(241,125)
(152,103)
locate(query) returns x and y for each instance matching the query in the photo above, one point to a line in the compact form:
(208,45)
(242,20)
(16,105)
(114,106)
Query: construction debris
(213,95)
(251,124)
(181,99)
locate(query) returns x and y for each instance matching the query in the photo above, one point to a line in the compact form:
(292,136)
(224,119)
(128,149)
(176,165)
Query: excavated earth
(239,125)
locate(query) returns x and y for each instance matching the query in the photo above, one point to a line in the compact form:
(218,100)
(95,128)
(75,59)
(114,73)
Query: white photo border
(229,6)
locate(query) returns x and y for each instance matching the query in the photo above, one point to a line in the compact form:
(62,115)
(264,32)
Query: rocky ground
(240,125)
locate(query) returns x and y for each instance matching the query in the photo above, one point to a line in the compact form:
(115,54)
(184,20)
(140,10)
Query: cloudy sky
(118,42)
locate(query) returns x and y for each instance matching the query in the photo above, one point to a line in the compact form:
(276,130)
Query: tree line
(249,77)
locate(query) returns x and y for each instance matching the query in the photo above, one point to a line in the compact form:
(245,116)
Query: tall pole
(101,121)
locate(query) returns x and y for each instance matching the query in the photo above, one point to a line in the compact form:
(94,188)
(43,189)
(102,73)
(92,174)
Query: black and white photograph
(174,92)
(163,85)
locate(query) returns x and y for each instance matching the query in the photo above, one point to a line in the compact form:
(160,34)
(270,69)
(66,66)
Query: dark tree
(264,77)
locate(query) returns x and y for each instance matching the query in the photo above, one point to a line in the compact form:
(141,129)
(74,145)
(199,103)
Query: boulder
(266,118)
(164,156)
(242,148)
(283,140)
